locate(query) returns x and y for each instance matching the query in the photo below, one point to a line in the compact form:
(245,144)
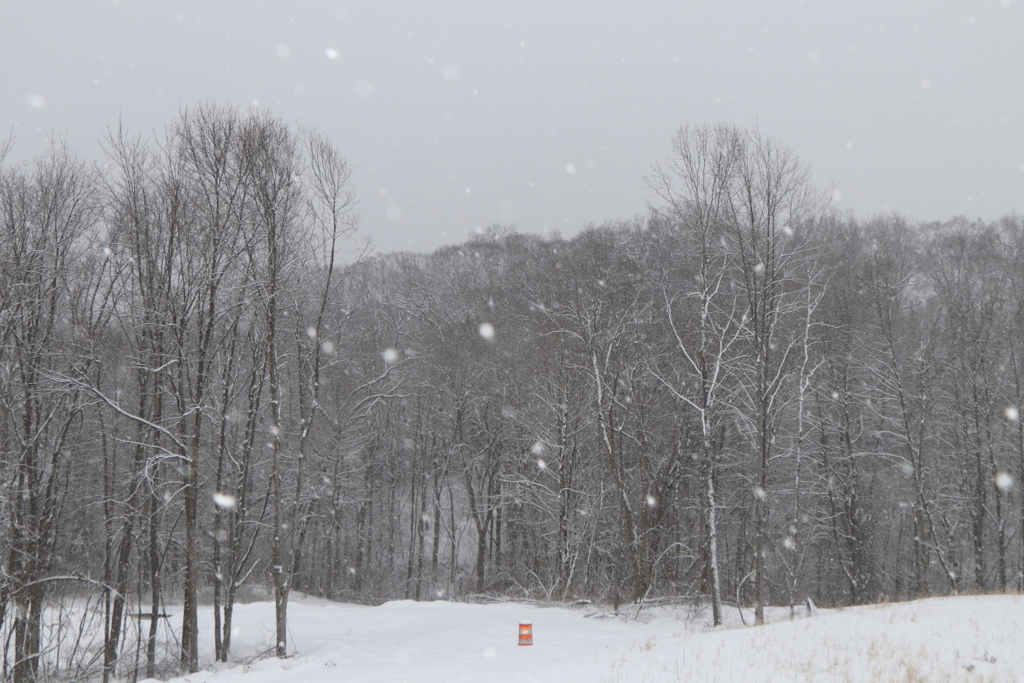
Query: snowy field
(940,639)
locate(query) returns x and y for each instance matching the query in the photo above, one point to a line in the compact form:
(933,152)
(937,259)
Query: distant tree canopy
(741,397)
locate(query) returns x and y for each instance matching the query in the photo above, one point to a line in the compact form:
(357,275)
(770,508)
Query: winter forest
(212,392)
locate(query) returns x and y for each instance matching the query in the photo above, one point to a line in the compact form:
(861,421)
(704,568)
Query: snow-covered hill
(942,639)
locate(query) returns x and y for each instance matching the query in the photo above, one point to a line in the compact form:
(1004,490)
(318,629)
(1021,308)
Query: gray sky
(546,114)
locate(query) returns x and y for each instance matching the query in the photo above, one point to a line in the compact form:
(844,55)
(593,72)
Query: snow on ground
(939,639)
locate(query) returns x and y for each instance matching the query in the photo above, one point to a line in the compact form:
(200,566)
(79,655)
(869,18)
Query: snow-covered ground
(941,639)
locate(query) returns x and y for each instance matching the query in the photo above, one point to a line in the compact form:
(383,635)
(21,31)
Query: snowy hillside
(941,639)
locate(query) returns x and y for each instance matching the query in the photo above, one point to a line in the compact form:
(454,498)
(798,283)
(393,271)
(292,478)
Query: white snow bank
(941,639)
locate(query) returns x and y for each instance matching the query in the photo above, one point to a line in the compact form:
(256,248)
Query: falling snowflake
(1003,481)
(1011,413)
(225,501)
(486,331)
(390,356)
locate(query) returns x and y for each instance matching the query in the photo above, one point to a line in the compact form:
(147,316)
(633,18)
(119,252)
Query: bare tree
(904,377)
(45,210)
(772,202)
(696,186)
(967,270)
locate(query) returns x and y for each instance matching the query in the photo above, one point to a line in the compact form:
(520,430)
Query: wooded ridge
(206,392)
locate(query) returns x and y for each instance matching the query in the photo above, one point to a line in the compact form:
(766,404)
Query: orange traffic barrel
(526,634)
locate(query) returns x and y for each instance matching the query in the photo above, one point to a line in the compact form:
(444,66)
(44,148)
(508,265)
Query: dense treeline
(743,397)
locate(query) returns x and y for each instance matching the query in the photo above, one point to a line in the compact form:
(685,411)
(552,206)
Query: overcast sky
(546,114)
